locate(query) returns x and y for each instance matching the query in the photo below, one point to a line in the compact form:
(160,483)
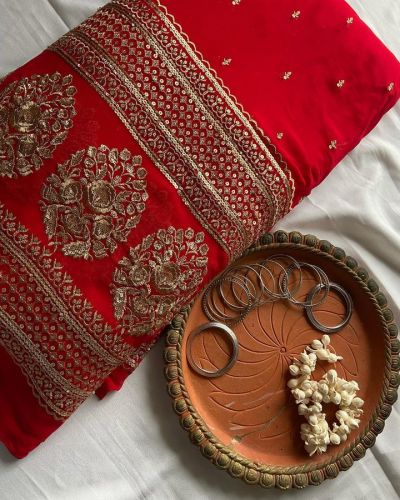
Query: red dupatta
(142,153)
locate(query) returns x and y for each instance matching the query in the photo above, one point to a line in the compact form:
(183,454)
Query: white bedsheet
(130,446)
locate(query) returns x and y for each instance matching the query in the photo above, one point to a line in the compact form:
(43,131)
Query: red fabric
(320,48)
(24,423)
(263,40)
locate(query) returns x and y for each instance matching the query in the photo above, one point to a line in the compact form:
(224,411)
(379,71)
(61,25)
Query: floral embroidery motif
(236,2)
(94,201)
(296,14)
(333,144)
(35,117)
(227,61)
(279,136)
(390,87)
(159,276)
(350,20)
(287,75)
(340,83)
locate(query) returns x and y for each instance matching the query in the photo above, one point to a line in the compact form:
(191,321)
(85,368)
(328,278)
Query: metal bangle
(241,279)
(284,275)
(230,335)
(213,312)
(323,284)
(347,299)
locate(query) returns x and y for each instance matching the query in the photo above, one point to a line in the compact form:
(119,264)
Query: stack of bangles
(253,285)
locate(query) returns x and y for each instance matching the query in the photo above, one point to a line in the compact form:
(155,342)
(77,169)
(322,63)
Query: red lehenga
(140,154)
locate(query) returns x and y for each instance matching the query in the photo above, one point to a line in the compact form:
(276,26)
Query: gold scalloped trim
(300,476)
(233,99)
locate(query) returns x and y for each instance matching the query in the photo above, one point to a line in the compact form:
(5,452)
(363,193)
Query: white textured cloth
(130,445)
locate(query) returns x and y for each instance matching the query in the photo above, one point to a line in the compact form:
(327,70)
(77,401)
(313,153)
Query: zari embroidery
(62,345)
(35,117)
(175,106)
(94,201)
(158,278)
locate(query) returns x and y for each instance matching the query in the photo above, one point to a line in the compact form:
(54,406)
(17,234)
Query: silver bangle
(323,284)
(212,311)
(347,299)
(231,336)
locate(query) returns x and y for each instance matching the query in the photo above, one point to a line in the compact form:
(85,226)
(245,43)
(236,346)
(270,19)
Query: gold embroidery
(236,2)
(94,201)
(296,14)
(390,87)
(158,278)
(287,75)
(35,117)
(181,115)
(350,20)
(340,83)
(279,135)
(333,144)
(227,61)
(62,345)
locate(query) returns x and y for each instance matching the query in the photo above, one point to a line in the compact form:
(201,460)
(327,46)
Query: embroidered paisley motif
(159,276)
(94,201)
(35,117)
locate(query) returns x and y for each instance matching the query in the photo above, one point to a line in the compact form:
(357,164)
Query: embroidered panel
(94,201)
(62,345)
(174,105)
(35,117)
(158,278)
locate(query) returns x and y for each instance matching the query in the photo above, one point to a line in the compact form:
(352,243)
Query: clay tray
(246,421)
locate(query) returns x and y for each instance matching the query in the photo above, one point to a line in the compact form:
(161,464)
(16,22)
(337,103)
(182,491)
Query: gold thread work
(185,120)
(158,278)
(35,117)
(94,201)
(62,345)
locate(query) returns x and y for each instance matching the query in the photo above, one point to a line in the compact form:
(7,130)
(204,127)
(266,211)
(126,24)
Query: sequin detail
(35,117)
(62,345)
(183,117)
(158,278)
(94,201)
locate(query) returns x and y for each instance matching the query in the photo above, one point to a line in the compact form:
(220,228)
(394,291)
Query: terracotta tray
(246,421)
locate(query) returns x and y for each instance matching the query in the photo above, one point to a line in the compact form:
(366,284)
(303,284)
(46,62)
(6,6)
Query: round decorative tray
(246,421)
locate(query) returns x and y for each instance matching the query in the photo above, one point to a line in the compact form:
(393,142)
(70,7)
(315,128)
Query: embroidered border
(195,132)
(61,343)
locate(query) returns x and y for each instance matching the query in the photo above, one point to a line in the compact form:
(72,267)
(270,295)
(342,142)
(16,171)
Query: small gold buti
(390,87)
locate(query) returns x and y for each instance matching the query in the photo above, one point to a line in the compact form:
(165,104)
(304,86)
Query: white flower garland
(310,394)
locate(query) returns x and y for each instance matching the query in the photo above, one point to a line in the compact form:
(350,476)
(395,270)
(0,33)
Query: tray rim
(265,475)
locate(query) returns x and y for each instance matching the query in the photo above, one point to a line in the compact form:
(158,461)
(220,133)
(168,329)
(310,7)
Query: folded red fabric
(139,155)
